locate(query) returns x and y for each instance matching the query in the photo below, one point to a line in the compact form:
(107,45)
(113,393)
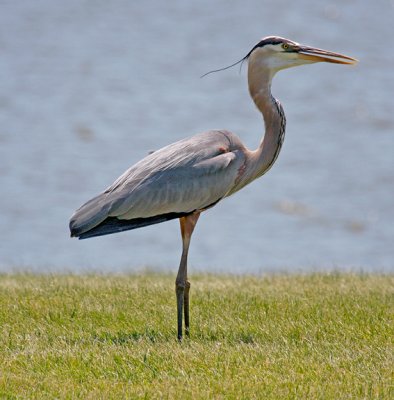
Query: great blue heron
(189,176)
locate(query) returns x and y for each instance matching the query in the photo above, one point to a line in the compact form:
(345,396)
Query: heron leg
(182,285)
(186,308)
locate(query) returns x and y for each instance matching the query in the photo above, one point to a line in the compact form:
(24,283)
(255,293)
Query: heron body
(189,176)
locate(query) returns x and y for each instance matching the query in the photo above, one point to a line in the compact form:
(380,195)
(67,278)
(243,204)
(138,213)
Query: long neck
(259,80)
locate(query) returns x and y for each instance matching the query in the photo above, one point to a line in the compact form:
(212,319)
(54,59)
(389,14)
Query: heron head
(276,53)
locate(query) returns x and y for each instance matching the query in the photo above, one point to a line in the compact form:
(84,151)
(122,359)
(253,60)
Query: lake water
(87,88)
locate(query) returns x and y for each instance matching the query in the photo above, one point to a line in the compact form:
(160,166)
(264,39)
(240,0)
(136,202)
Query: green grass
(323,336)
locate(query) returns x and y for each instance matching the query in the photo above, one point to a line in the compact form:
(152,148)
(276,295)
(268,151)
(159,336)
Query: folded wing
(189,175)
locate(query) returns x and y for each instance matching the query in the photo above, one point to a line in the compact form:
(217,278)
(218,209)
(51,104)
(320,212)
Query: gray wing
(189,175)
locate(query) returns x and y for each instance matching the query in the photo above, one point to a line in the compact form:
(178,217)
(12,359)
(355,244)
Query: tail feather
(89,215)
(114,225)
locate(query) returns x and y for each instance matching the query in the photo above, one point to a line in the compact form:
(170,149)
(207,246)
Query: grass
(318,336)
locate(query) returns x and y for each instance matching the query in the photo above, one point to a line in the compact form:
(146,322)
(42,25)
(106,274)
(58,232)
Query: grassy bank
(103,337)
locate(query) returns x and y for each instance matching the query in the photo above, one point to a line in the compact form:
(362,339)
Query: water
(87,88)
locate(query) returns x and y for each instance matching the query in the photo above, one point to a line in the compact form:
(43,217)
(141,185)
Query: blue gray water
(87,88)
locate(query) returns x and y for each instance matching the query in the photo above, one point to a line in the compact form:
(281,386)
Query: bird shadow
(121,338)
(124,338)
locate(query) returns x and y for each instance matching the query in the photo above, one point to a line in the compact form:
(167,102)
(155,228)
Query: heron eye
(285,46)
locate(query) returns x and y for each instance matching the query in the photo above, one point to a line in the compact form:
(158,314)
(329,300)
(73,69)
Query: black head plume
(229,66)
(267,40)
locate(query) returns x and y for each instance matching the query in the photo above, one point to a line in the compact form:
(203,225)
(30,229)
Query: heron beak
(318,55)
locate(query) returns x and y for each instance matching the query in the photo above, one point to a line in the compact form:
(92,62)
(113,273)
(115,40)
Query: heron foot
(182,300)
